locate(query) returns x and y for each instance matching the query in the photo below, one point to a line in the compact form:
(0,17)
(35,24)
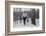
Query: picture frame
(8,17)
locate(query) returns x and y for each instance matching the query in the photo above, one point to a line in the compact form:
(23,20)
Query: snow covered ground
(28,24)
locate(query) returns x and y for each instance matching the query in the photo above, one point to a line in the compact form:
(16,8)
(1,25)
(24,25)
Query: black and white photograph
(25,17)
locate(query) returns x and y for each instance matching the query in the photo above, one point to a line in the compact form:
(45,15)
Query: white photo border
(25,28)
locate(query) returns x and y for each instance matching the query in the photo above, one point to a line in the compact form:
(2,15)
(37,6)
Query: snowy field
(17,24)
